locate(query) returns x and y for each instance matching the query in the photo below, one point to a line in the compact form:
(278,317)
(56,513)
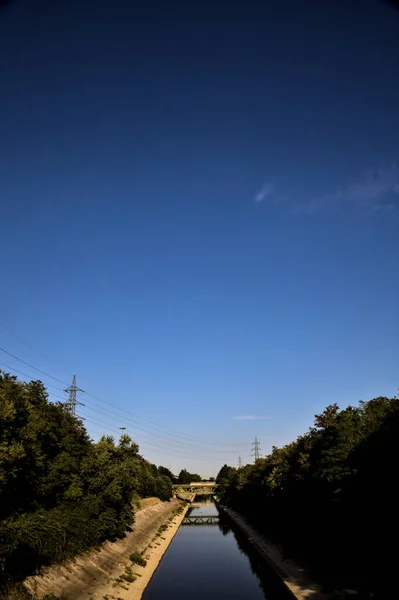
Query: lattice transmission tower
(72,401)
(256,447)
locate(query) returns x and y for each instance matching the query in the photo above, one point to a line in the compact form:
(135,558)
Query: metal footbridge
(201,520)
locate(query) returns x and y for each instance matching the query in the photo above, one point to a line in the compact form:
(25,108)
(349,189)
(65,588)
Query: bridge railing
(201,520)
(208,489)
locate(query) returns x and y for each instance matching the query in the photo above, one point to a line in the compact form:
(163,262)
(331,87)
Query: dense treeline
(186,478)
(330,498)
(183,477)
(61,493)
(168,473)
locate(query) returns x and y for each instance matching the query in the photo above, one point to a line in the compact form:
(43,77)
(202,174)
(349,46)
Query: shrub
(138,559)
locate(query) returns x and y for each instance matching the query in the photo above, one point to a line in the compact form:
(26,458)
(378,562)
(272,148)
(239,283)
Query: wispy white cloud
(374,186)
(251,418)
(377,190)
(264,192)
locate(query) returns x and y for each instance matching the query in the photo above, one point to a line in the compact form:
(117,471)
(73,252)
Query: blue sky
(199,214)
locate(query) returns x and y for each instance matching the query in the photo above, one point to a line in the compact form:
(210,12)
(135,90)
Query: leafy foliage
(61,493)
(167,473)
(138,559)
(224,474)
(330,497)
(186,478)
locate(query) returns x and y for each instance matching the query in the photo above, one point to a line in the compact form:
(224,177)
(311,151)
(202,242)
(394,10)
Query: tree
(186,478)
(167,473)
(224,474)
(61,493)
(330,496)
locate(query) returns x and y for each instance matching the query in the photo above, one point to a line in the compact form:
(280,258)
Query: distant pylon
(72,402)
(256,452)
(239,462)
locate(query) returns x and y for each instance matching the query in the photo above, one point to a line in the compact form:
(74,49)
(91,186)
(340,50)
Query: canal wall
(295,579)
(186,496)
(108,573)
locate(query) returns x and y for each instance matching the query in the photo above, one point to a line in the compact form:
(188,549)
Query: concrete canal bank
(295,578)
(204,561)
(109,573)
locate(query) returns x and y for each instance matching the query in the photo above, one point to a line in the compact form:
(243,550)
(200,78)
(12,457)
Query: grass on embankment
(146,502)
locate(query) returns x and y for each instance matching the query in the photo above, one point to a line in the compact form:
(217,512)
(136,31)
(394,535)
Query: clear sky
(199,213)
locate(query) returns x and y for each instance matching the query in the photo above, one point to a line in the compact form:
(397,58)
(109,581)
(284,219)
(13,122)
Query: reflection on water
(203,505)
(212,561)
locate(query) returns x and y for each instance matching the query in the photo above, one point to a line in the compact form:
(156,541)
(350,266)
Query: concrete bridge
(196,488)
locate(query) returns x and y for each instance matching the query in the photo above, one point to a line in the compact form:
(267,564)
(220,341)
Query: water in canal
(212,562)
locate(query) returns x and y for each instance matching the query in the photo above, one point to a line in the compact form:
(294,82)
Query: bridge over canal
(201,520)
(196,488)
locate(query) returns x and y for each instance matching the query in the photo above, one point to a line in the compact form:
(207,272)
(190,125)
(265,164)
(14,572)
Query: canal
(213,562)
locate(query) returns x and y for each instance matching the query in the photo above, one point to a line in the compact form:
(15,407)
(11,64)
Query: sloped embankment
(109,572)
(295,579)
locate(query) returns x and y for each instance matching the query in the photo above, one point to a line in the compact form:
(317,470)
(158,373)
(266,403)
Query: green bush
(138,559)
(128,575)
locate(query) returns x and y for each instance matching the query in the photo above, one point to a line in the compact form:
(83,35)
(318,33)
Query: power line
(44,356)
(72,402)
(182,449)
(23,341)
(99,423)
(109,403)
(63,382)
(122,419)
(159,427)
(239,462)
(149,432)
(168,441)
(30,377)
(32,367)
